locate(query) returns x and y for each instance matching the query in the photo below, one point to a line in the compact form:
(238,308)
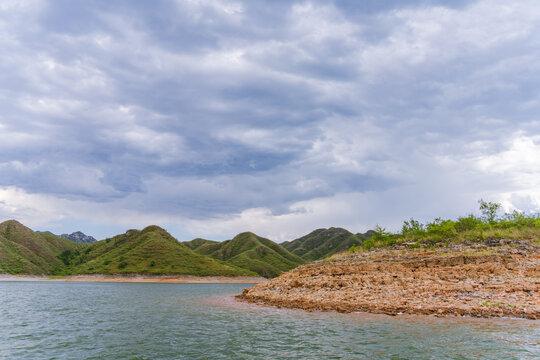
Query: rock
(454,281)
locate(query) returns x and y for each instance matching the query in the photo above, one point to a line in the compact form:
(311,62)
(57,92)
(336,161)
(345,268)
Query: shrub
(71,257)
(369,243)
(412,227)
(433,239)
(467,223)
(444,228)
(383,237)
(122,265)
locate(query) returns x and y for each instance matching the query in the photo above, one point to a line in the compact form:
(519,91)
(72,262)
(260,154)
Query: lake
(58,320)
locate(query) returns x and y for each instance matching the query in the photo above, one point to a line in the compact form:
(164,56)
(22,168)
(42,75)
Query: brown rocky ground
(480,281)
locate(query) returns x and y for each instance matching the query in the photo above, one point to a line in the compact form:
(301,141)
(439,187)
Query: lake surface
(56,320)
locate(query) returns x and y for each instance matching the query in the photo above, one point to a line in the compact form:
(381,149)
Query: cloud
(214,117)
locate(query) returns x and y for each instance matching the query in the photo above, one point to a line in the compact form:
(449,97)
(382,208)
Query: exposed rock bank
(490,282)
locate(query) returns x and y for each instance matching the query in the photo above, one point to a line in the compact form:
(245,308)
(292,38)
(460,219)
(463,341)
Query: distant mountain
(23,251)
(149,251)
(322,243)
(79,237)
(249,251)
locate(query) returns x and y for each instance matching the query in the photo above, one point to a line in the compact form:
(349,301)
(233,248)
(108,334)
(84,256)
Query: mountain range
(154,251)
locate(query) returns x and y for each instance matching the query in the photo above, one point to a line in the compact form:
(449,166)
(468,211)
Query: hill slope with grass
(150,251)
(203,246)
(322,243)
(23,251)
(249,251)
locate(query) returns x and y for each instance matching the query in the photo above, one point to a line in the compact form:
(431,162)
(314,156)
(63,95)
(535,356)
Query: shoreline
(486,283)
(159,279)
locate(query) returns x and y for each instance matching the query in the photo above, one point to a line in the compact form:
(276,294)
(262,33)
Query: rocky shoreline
(485,281)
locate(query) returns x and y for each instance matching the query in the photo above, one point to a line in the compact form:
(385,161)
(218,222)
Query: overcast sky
(210,117)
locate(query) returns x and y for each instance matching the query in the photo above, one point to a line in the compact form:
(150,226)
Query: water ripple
(45,320)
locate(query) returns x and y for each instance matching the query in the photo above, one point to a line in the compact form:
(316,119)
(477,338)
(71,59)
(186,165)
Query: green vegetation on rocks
(470,229)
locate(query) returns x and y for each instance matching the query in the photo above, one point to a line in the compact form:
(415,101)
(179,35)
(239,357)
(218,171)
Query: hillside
(322,243)
(23,251)
(249,251)
(150,251)
(203,246)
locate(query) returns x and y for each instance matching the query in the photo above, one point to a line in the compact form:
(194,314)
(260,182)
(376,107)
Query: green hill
(322,243)
(249,251)
(203,246)
(150,251)
(23,251)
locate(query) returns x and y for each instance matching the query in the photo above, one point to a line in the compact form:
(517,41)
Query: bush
(122,265)
(444,228)
(433,239)
(369,243)
(413,227)
(467,223)
(518,219)
(71,257)
(383,237)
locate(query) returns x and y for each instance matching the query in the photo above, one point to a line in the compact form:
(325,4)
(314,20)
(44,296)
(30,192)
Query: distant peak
(79,237)
(11,222)
(153,228)
(246,233)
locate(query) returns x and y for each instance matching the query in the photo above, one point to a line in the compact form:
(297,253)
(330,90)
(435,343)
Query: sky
(210,118)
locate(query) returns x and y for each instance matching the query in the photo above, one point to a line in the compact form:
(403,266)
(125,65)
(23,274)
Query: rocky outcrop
(486,282)
(79,237)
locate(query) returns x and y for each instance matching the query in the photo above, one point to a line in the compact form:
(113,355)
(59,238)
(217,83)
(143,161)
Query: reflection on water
(44,320)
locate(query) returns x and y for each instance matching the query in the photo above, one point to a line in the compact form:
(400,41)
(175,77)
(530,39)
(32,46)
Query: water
(49,320)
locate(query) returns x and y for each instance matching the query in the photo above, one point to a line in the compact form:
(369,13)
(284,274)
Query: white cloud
(221,117)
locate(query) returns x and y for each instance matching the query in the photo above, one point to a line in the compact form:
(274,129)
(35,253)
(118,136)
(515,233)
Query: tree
(489,210)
